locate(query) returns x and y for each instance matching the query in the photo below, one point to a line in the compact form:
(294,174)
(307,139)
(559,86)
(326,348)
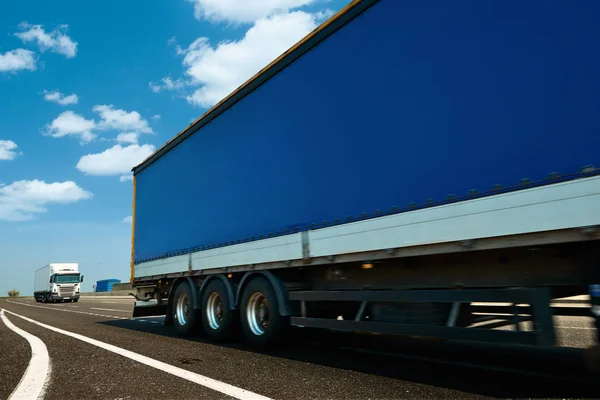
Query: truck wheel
(218,319)
(261,322)
(184,315)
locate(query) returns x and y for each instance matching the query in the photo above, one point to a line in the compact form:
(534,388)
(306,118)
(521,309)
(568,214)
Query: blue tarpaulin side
(106,285)
(410,101)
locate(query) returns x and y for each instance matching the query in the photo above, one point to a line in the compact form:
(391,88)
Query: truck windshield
(66,278)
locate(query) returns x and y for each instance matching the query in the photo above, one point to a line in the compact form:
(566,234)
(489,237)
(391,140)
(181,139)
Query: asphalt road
(99,351)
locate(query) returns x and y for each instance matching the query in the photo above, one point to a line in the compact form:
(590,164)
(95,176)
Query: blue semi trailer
(106,285)
(404,162)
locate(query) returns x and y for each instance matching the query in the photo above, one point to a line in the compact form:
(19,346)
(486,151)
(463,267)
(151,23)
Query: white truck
(57,282)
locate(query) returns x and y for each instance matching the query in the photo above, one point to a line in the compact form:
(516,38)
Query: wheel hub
(257,313)
(214,310)
(182,309)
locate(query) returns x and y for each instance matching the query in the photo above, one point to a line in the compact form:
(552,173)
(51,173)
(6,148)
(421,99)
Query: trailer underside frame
(538,299)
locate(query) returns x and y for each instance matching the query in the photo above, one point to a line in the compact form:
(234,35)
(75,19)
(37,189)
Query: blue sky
(89,89)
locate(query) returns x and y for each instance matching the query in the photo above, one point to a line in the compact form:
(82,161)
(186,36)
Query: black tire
(228,323)
(75,300)
(187,326)
(274,330)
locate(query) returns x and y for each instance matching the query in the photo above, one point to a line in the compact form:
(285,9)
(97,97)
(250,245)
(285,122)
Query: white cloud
(128,137)
(125,178)
(156,117)
(8,150)
(17,60)
(243,10)
(154,87)
(69,123)
(129,124)
(60,98)
(56,41)
(221,70)
(116,160)
(168,83)
(324,15)
(21,200)
(214,70)
(121,120)
(128,220)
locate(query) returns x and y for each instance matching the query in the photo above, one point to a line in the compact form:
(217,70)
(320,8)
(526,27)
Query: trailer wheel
(184,315)
(262,323)
(218,319)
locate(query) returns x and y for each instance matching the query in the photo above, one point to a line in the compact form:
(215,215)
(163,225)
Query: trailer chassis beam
(539,299)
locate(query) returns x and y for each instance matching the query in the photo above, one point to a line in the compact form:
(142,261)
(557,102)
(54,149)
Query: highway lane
(82,371)
(301,370)
(576,332)
(266,374)
(102,305)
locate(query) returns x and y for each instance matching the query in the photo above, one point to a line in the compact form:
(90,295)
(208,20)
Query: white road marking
(33,382)
(107,298)
(65,310)
(205,381)
(109,309)
(575,327)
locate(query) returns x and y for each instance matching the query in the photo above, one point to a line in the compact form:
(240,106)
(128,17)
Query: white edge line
(34,381)
(575,327)
(205,381)
(109,309)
